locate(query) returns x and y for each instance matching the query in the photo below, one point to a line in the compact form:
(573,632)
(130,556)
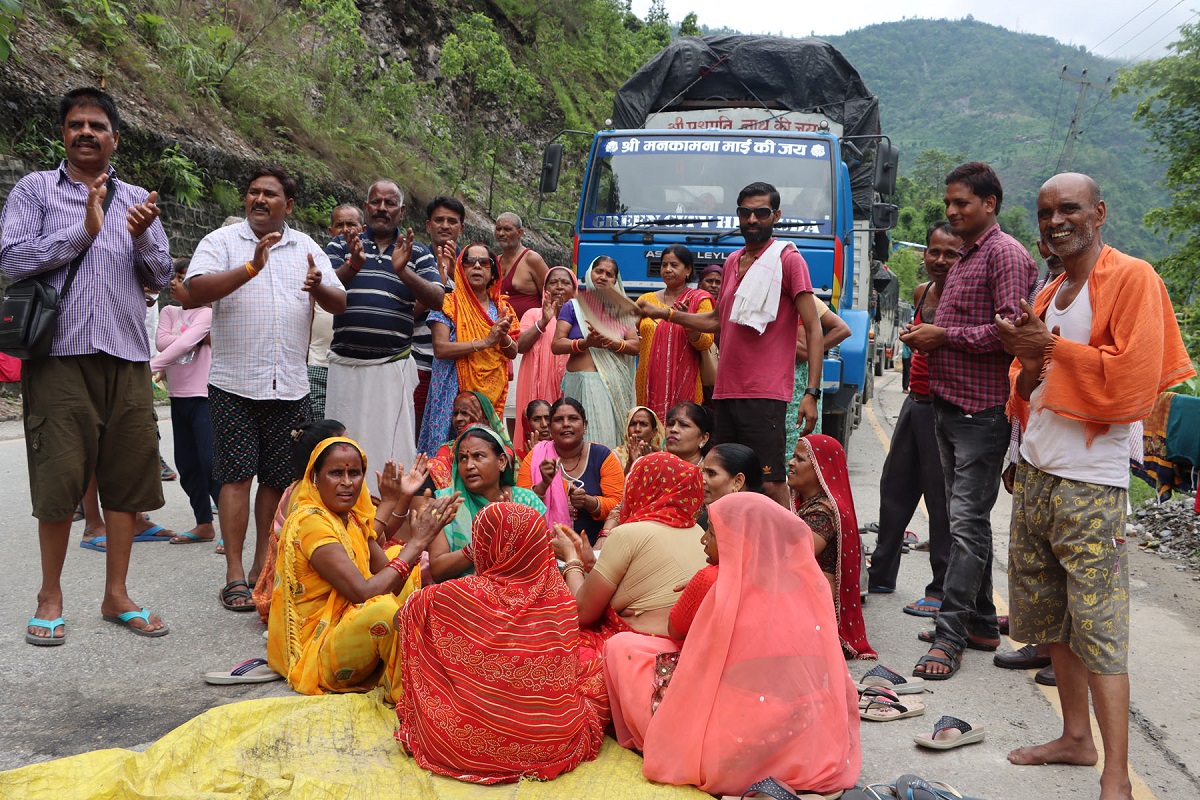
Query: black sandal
(952,662)
(231,592)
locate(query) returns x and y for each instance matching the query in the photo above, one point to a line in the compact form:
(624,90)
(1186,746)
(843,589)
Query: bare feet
(1120,788)
(1058,751)
(48,608)
(115,607)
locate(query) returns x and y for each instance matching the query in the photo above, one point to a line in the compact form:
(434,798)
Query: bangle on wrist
(251,270)
(400,516)
(575,346)
(537,323)
(402,567)
(670,315)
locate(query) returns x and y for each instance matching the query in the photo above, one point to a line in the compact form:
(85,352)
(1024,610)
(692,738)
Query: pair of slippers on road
(52,625)
(155,533)
(880,700)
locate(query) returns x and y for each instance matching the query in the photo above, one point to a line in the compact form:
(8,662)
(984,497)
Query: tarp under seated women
(761,687)
(304,748)
(495,689)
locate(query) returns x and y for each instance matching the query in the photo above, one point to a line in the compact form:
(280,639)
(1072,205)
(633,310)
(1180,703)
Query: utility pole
(1064,160)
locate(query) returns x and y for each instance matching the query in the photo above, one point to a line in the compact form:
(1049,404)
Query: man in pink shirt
(758,338)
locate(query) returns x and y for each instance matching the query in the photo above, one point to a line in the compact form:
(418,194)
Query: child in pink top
(184,357)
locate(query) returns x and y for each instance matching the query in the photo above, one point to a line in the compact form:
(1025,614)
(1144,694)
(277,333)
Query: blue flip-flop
(144,616)
(925,607)
(96,544)
(151,534)
(187,537)
(50,625)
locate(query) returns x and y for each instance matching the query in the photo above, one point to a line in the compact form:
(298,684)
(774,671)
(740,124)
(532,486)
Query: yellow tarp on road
(304,748)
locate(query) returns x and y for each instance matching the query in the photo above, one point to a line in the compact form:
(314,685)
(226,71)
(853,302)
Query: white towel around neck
(756,302)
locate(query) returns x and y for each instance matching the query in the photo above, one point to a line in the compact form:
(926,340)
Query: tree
(690,25)
(1170,95)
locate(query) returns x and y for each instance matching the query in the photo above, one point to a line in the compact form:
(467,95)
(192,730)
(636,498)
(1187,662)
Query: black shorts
(758,424)
(254,437)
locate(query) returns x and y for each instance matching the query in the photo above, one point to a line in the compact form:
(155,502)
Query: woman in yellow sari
(331,627)
(474,341)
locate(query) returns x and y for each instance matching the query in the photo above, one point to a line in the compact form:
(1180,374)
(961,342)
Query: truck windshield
(639,179)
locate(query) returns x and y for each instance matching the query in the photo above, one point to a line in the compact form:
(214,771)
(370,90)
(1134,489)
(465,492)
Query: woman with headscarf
(483,473)
(656,547)
(470,408)
(759,687)
(541,372)
(820,489)
(474,341)
(644,434)
(331,622)
(525,704)
(668,370)
(599,372)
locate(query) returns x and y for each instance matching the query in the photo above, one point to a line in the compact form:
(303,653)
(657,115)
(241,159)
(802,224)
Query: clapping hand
(262,250)
(636,448)
(548,469)
(436,514)
(498,332)
(358,256)
(312,280)
(402,252)
(140,217)
(594,339)
(564,543)
(93,219)
(446,253)
(550,309)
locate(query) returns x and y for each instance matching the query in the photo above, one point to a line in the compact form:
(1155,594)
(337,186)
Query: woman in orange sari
(474,341)
(760,687)
(495,689)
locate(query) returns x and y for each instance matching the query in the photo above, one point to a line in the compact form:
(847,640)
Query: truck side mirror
(884,216)
(887,164)
(551,166)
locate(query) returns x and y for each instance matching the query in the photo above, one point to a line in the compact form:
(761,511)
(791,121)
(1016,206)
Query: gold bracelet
(250,269)
(670,315)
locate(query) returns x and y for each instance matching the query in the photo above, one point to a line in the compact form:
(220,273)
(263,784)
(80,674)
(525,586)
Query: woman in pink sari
(540,374)
(760,686)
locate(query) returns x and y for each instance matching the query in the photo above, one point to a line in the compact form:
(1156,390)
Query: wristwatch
(816,393)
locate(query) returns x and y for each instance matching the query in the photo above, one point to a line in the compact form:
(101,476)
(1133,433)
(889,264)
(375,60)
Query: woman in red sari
(760,687)
(820,488)
(669,362)
(494,686)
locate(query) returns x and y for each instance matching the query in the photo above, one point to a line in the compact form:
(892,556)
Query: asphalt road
(109,688)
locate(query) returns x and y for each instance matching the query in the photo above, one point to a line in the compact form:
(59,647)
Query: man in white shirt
(1092,354)
(261,277)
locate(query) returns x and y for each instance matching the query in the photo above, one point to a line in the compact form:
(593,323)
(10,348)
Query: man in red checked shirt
(968,377)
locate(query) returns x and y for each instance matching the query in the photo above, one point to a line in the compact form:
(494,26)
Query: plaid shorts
(1068,578)
(254,437)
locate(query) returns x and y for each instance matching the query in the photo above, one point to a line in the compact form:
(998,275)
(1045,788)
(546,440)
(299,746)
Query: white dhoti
(374,400)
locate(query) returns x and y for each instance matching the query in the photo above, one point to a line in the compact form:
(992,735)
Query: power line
(1096,46)
(1165,36)
(1148,27)
(1062,85)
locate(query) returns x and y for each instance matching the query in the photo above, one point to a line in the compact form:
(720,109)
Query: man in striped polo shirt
(372,375)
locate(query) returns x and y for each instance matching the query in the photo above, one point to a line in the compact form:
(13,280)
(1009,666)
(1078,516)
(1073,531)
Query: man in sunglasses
(765,292)
(372,373)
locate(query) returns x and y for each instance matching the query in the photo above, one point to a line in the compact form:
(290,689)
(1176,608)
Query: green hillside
(990,94)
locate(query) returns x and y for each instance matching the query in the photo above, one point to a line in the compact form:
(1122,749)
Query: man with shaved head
(1091,356)
(389,278)
(522,276)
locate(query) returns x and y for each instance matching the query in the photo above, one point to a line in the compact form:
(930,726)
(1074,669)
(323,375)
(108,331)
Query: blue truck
(705,117)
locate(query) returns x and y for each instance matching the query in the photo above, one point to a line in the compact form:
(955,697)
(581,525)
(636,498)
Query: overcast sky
(1148,25)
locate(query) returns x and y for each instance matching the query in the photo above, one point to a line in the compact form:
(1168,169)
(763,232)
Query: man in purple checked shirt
(88,404)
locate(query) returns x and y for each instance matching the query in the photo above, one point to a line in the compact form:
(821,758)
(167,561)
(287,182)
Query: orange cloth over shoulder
(1134,352)
(484,371)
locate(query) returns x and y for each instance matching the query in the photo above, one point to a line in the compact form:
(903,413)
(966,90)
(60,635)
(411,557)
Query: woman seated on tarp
(579,480)
(470,408)
(331,624)
(483,472)
(630,586)
(496,689)
(820,487)
(759,687)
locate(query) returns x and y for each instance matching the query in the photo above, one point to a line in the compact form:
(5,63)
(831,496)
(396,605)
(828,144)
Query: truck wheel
(838,426)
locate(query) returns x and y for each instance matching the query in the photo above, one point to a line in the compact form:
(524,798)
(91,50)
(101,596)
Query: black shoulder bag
(29,312)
